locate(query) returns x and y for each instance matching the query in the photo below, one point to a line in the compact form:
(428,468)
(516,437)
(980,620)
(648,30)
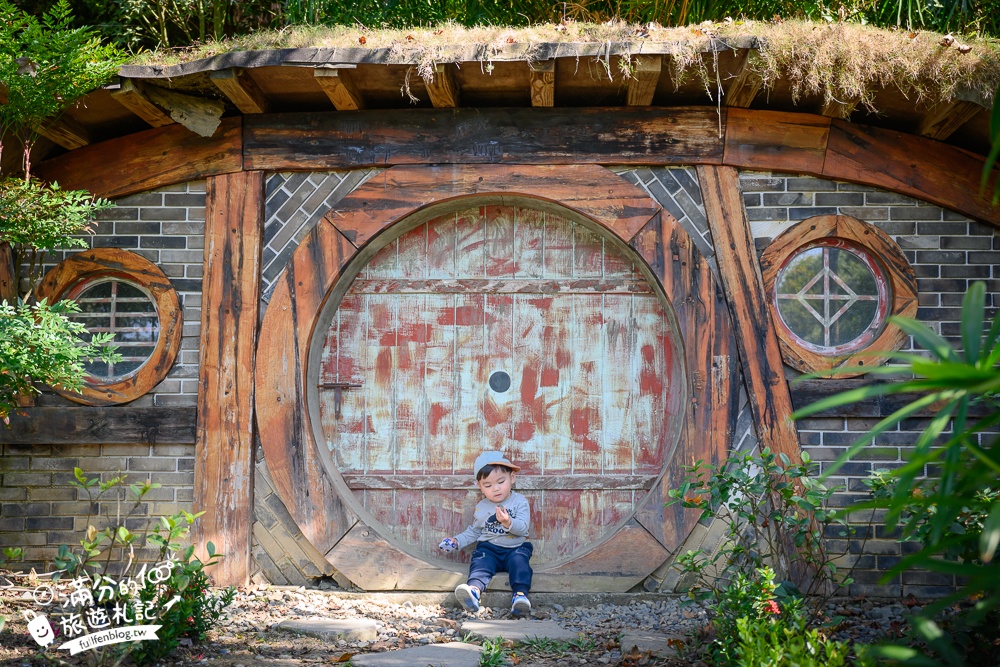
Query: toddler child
(500,530)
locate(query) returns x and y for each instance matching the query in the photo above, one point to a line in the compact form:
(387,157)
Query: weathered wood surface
(148,160)
(290,448)
(807,392)
(596,193)
(760,351)
(8,276)
(100,425)
(237,84)
(130,95)
(777,140)
(482,136)
(66,132)
(711,405)
(923,169)
(746,84)
(642,82)
(902,288)
(292,315)
(542,78)
(339,88)
(560,482)
(442,88)
(945,118)
(620,285)
(224,467)
(59,283)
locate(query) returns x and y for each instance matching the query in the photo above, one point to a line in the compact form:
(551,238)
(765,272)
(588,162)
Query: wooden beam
(943,119)
(637,135)
(747,83)
(201,116)
(642,83)
(339,87)
(542,75)
(224,459)
(770,401)
(147,160)
(241,89)
(834,108)
(66,132)
(131,96)
(8,274)
(60,425)
(442,88)
(776,140)
(911,165)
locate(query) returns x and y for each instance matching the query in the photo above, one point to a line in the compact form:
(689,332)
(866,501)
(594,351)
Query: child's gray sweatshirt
(486,528)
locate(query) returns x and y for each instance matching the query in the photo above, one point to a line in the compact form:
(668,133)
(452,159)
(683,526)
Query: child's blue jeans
(488,559)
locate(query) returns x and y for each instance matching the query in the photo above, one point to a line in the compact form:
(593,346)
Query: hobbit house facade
(329,301)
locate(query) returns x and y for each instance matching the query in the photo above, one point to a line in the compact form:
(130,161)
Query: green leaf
(926,338)
(989,539)
(973,311)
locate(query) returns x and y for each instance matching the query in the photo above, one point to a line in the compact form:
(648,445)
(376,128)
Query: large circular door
(500,328)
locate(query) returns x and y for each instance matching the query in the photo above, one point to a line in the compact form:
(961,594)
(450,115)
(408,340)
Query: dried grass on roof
(840,61)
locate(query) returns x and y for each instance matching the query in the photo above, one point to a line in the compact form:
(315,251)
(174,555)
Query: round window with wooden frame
(832,282)
(121,293)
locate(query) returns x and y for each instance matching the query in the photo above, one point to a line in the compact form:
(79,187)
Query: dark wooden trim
(760,352)
(8,275)
(148,160)
(347,140)
(100,425)
(224,465)
(776,140)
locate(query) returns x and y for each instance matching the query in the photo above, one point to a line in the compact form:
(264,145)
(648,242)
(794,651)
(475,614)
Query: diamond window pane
(832,297)
(120,308)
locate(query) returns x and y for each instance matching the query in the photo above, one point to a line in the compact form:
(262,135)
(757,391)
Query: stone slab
(452,654)
(517,630)
(332,629)
(655,643)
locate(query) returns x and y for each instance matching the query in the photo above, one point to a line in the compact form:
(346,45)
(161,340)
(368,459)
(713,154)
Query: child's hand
(448,544)
(503,516)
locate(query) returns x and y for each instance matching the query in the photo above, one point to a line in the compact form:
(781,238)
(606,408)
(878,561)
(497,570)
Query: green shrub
(785,641)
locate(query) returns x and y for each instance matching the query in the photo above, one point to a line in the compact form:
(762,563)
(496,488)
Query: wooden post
(8,274)
(223,477)
(757,341)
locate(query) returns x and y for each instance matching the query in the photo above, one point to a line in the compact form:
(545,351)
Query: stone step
(332,629)
(452,654)
(653,643)
(517,630)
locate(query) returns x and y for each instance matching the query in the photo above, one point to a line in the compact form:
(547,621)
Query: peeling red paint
(523,431)
(463,316)
(550,377)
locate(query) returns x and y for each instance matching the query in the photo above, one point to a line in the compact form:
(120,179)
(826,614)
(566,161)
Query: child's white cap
(492,458)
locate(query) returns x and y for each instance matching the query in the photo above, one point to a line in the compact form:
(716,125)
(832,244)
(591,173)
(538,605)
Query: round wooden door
(501,328)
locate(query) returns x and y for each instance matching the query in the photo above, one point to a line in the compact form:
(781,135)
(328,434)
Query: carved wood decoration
(78,272)
(328,514)
(901,293)
(224,467)
(760,352)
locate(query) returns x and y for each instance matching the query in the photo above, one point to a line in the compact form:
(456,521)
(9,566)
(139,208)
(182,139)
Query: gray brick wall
(167,227)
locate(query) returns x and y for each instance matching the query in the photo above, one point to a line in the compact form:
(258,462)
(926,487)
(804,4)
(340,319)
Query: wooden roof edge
(459,53)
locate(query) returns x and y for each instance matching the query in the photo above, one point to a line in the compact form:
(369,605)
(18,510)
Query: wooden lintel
(61,425)
(442,88)
(642,83)
(224,461)
(841,109)
(943,119)
(340,88)
(66,132)
(770,401)
(241,89)
(542,75)
(8,277)
(742,90)
(131,96)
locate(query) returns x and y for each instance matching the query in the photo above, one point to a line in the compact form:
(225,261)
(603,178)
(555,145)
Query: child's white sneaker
(468,597)
(520,605)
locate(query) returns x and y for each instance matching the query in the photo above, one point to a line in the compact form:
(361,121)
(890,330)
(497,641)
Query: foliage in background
(955,513)
(38,343)
(783,638)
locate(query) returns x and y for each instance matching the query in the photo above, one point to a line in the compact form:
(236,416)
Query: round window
(121,293)
(832,296)
(112,305)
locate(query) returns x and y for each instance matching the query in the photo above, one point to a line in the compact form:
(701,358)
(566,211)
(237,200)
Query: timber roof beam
(66,132)
(745,84)
(542,78)
(131,95)
(442,88)
(642,83)
(943,119)
(338,85)
(237,85)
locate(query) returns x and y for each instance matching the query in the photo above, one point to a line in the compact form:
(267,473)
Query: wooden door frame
(410,195)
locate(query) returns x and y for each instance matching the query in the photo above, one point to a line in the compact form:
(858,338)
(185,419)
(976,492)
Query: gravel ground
(247,636)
